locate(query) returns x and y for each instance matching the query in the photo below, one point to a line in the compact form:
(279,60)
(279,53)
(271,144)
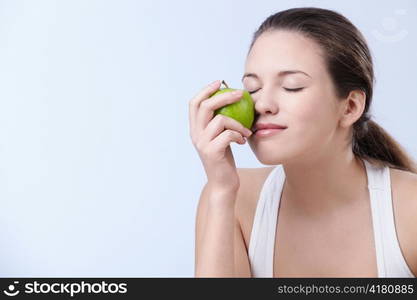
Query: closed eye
(293,90)
(288,90)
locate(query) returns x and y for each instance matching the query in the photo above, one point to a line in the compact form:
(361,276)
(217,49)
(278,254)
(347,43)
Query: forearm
(216,253)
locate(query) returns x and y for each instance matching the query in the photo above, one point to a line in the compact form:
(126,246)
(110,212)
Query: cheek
(309,113)
(313,114)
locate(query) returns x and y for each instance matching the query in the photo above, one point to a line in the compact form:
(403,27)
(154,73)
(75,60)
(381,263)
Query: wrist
(221,197)
(222,190)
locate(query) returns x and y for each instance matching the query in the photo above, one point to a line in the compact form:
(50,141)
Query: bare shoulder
(251,182)
(405,175)
(404,191)
(405,183)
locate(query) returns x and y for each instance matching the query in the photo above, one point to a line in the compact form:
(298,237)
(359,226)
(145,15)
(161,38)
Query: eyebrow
(282,73)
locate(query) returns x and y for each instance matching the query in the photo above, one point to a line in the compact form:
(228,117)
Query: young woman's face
(310,113)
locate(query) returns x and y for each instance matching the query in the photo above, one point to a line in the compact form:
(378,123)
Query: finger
(202,95)
(225,138)
(220,123)
(206,110)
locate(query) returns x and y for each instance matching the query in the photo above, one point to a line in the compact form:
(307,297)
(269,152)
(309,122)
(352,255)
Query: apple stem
(224,82)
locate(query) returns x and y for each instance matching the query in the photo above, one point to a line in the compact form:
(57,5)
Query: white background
(98,175)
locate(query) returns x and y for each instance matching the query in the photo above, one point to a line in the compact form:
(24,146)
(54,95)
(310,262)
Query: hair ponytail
(373,143)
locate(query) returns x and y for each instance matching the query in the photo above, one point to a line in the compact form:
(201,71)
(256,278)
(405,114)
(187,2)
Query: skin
(316,153)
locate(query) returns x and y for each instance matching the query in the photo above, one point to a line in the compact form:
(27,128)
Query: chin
(271,162)
(275,154)
(271,157)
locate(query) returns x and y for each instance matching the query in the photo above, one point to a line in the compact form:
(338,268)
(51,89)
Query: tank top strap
(262,239)
(390,260)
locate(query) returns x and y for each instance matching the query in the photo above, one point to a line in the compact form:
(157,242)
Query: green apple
(242,111)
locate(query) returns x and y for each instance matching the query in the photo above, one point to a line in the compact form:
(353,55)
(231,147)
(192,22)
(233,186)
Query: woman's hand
(212,136)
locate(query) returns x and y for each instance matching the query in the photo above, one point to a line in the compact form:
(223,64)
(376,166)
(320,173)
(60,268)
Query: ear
(352,108)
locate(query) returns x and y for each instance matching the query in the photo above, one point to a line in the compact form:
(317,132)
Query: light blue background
(98,175)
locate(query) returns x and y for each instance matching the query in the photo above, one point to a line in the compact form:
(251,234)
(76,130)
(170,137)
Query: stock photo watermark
(391,30)
(71,289)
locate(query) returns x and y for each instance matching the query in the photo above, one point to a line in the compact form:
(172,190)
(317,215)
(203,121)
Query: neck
(324,185)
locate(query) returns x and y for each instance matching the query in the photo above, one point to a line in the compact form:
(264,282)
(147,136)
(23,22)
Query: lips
(260,126)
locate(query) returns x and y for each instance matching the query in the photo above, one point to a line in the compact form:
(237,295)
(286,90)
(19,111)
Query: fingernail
(248,132)
(237,93)
(214,83)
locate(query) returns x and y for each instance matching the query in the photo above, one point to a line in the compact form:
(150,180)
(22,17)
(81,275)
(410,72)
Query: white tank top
(390,261)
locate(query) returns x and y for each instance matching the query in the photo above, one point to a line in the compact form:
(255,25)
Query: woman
(340,199)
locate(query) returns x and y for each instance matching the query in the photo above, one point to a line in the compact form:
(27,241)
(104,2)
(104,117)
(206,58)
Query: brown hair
(349,62)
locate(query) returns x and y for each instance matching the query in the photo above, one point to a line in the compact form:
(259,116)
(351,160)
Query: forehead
(285,50)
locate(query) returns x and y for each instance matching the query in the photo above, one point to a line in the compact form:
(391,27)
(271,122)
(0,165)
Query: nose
(265,102)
